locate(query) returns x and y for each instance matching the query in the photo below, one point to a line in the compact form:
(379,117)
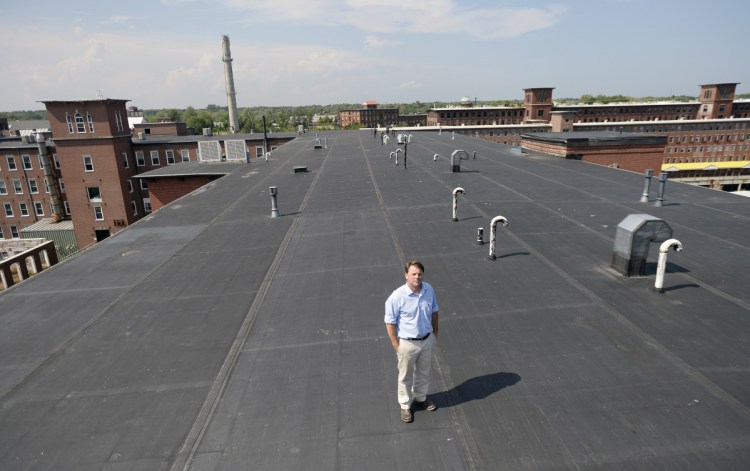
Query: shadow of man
(476,388)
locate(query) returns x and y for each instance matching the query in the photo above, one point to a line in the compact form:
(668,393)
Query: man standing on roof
(411,320)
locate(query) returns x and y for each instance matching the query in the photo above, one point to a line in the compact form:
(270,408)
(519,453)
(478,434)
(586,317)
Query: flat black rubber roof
(211,336)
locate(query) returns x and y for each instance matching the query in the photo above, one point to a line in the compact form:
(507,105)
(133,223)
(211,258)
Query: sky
(167,53)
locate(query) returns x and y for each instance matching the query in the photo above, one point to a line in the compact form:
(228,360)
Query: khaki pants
(414,369)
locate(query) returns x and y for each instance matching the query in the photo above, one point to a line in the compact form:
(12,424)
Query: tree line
(287,118)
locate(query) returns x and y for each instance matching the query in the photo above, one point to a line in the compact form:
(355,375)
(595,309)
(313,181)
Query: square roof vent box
(634,235)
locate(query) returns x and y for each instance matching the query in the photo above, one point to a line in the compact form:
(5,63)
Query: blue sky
(167,53)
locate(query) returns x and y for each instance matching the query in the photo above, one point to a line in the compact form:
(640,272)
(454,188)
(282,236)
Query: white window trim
(91,160)
(80,124)
(142,161)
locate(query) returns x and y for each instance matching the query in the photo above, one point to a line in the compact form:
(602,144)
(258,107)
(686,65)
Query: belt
(415,338)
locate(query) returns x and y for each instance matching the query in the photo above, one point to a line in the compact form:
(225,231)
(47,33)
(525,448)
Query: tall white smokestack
(229,79)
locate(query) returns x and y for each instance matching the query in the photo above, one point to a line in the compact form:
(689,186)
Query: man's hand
(391,329)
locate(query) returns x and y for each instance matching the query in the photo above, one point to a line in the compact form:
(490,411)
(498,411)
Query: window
(147,204)
(3,188)
(94,194)
(24,209)
(66,206)
(62,185)
(125,162)
(170,157)
(185,155)
(57,162)
(70,123)
(118,121)
(33,187)
(144,184)
(39,208)
(2,254)
(17,187)
(90,120)
(98,213)
(259,152)
(8,210)
(155,157)
(130,186)
(80,127)
(134,207)
(88,163)
(11,163)
(14,232)
(140,161)
(26,158)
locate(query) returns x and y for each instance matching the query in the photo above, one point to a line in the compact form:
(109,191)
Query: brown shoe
(426,405)
(407,416)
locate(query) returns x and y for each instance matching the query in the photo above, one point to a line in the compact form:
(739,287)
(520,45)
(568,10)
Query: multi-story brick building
(707,141)
(369,116)
(94,159)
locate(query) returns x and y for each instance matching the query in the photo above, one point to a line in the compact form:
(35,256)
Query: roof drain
(493,232)
(455,201)
(661,265)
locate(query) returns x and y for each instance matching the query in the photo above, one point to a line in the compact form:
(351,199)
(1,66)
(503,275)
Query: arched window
(80,127)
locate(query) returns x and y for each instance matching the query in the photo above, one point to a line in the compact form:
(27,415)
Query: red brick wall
(165,190)
(635,159)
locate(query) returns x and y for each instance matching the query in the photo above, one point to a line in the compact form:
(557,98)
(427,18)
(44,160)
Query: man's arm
(435,316)
(391,329)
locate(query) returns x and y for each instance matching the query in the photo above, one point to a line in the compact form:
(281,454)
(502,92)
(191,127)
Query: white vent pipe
(397,152)
(493,231)
(455,201)
(661,265)
(435,157)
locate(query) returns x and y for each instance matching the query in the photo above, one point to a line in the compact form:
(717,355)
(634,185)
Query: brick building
(707,141)
(369,116)
(94,159)
(629,151)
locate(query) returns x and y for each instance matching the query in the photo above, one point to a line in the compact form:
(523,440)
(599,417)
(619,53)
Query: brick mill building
(94,158)
(707,142)
(368,116)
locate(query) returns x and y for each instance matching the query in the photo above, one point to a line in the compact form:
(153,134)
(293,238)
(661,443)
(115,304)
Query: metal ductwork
(632,240)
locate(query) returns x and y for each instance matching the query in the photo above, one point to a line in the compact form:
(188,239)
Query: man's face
(414,278)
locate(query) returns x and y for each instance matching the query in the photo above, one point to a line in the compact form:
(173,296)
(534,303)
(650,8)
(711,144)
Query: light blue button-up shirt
(411,312)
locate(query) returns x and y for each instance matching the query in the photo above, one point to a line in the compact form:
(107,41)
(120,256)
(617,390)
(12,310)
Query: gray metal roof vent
(634,234)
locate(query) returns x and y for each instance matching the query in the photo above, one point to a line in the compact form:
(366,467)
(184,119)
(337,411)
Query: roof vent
(634,235)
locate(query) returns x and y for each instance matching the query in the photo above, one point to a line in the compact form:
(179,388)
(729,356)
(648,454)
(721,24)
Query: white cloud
(375,42)
(397,17)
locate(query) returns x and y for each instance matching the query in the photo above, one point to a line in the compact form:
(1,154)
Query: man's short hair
(415,263)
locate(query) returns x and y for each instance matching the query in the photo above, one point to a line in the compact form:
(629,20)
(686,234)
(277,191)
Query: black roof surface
(211,336)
